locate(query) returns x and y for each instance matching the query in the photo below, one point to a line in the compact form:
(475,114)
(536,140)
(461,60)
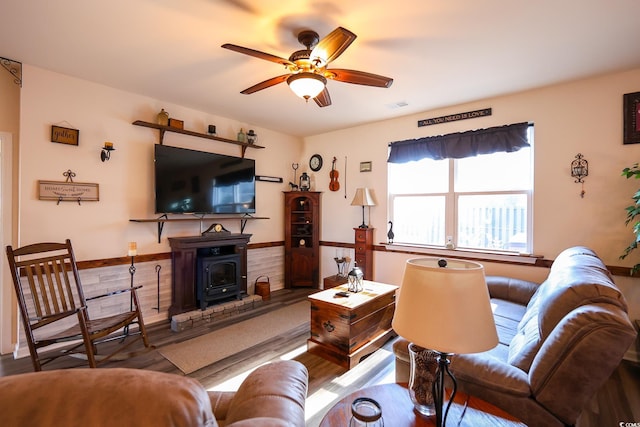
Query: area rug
(196,353)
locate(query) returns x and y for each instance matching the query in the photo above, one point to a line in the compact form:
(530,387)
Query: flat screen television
(190,181)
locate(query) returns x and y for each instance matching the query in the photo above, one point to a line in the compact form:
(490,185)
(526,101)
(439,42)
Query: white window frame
(451,211)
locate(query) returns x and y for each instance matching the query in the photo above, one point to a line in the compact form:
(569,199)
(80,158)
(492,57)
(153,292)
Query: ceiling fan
(307,68)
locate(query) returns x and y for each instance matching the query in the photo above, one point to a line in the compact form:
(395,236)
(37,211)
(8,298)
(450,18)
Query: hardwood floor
(327,382)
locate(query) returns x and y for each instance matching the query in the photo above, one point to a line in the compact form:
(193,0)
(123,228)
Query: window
(479,202)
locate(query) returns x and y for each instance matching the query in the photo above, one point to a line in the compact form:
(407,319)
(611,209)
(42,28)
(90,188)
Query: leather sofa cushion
(103,398)
(507,315)
(577,277)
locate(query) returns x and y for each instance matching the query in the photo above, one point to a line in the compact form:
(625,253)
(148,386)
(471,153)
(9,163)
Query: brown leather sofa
(272,395)
(559,342)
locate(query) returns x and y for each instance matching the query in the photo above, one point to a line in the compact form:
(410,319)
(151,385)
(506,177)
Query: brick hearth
(214,313)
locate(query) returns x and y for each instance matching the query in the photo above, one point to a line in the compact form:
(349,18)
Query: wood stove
(218,276)
(185,255)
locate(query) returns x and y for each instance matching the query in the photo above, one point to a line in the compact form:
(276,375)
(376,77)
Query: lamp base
(439,398)
(423,371)
(363,225)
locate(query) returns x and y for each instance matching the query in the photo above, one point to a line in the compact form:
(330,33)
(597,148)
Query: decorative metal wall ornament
(579,170)
(14,68)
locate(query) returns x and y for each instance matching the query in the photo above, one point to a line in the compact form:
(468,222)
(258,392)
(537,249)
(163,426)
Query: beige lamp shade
(364,197)
(446,309)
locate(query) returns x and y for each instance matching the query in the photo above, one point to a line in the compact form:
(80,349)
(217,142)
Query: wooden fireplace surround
(184,256)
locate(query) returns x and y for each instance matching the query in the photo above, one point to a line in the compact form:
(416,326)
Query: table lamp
(364,197)
(443,305)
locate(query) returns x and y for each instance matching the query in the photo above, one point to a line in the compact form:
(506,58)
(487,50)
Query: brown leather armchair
(272,395)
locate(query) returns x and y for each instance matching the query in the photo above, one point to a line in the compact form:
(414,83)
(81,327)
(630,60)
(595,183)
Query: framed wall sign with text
(365,166)
(64,135)
(631,111)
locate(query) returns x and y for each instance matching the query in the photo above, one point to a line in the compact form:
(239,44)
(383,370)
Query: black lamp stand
(438,389)
(363,225)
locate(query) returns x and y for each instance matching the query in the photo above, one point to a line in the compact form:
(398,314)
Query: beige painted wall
(102,229)
(578,117)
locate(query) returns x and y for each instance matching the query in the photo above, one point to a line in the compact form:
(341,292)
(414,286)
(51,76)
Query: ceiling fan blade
(323,99)
(266,84)
(332,45)
(359,77)
(258,54)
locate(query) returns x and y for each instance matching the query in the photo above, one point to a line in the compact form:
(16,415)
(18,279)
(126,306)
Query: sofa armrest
(511,289)
(275,391)
(403,362)
(103,398)
(488,372)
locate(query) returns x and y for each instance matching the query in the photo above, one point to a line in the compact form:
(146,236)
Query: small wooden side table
(397,410)
(333,281)
(345,329)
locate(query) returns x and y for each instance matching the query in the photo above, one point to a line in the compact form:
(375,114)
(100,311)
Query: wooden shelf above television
(162,129)
(161,220)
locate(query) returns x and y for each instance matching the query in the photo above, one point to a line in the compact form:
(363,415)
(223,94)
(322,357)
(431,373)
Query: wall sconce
(580,169)
(105,154)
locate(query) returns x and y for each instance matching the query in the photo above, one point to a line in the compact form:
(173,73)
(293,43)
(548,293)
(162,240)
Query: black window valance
(506,138)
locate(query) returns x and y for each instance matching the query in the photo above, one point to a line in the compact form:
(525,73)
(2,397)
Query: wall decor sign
(265,178)
(455,117)
(68,191)
(365,166)
(64,135)
(631,111)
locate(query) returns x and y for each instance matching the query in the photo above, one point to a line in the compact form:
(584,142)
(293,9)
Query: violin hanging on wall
(334,185)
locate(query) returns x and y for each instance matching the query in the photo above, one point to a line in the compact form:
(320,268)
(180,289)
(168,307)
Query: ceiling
(439,53)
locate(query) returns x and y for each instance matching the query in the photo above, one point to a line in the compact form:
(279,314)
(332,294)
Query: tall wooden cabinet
(302,239)
(364,251)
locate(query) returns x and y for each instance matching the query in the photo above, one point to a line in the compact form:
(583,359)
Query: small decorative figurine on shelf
(293,185)
(305,182)
(163,118)
(252,137)
(241,136)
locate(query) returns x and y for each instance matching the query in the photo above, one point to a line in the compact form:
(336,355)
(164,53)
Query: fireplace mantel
(184,255)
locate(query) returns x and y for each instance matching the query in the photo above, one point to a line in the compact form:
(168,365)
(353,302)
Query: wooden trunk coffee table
(344,330)
(397,410)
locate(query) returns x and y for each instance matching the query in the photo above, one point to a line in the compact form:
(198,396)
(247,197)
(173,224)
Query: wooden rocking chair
(54,309)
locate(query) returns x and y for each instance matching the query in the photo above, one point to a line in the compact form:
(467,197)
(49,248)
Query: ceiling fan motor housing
(308,38)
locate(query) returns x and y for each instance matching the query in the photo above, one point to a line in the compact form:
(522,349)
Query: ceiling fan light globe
(306,85)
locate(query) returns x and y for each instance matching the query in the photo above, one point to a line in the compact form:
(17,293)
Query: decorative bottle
(163,118)
(241,136)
